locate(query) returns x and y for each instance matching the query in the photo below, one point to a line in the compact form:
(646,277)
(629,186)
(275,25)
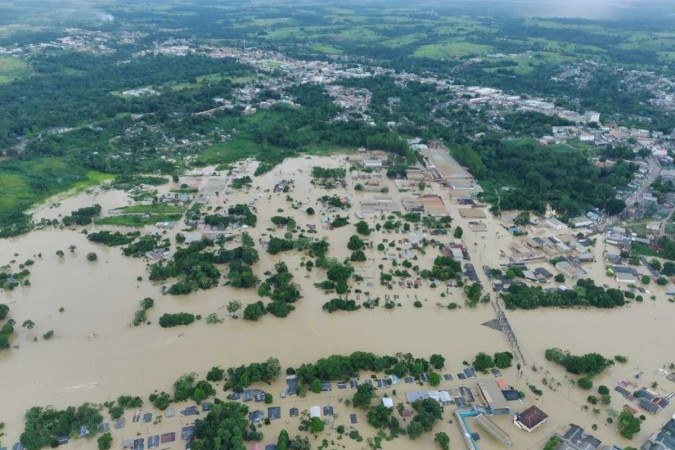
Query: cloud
(584,9)
(63,10)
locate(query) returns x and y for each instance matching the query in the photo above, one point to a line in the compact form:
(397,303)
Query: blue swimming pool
(466,431)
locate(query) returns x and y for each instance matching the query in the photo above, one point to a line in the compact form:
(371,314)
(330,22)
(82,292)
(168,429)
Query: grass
(358,34)
(137,220)
(322,150)
(451,50)
(212,78)
(14,190)
(400,41)
(565,47)
(26,182)
(660,42)
(12,69)
(269,22)
(286,33)
(229,152)
(93,178)
(155,208)
(325,49)
(667,56)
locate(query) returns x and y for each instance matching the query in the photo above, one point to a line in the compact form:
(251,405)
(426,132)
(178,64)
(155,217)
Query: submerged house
(530,419)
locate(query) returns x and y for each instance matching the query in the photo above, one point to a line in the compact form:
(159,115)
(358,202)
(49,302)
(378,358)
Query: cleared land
(12,69)
(451,50)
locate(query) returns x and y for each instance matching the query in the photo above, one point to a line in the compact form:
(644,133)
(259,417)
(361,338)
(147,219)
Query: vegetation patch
(451,50)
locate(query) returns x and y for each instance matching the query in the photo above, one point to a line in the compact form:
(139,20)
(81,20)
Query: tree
(662,281)
(4,342)
(585,383)
(233,306)
(355,243)
(283,441)
(614,206)
(483,362)
(503,359)
(559,278)
(458,232)
(428,413)
(645,279)
(434,379)
(552,443)
(183,388)
(198,396)
(603,390)
(668,268)
(315,386)
(172,320)
(437,361)
(316,425)
(628,425)
(225,426)
(4,310)
(104,441)
(442,440)
(415,430)
(655,263)
(364,395)
(357,256)
(160,401)
(378,416)
(28,324)
(310,211)
(523,218)
(216,374)
(363,228)
(92,256)
(473,294)
(254,311)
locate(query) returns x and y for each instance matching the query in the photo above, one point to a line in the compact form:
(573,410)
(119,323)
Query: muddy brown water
(96,355)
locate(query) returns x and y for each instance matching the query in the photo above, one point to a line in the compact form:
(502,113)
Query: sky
(586,9)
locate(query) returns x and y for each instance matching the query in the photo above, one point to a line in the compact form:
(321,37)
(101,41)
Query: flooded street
(97,355)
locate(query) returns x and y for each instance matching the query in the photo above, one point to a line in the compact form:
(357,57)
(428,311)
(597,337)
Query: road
(652,175)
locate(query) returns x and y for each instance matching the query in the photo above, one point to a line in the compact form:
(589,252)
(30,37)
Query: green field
(26,182)
(408,39)
(667,56)
(15,190)
(12,69)
(137,220)
(451,50)
(155,208)
(94,178)
(325,49)
(229,152)
(212,78)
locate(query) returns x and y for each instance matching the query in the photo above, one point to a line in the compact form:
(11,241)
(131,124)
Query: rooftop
(664,439)
(492,395)
(577,439)
(445,165)
(531,418)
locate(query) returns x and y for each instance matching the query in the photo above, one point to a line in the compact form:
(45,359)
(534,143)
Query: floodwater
(96,355)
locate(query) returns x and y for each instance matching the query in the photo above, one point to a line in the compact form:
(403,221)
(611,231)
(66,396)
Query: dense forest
(70,116)
(521,174)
